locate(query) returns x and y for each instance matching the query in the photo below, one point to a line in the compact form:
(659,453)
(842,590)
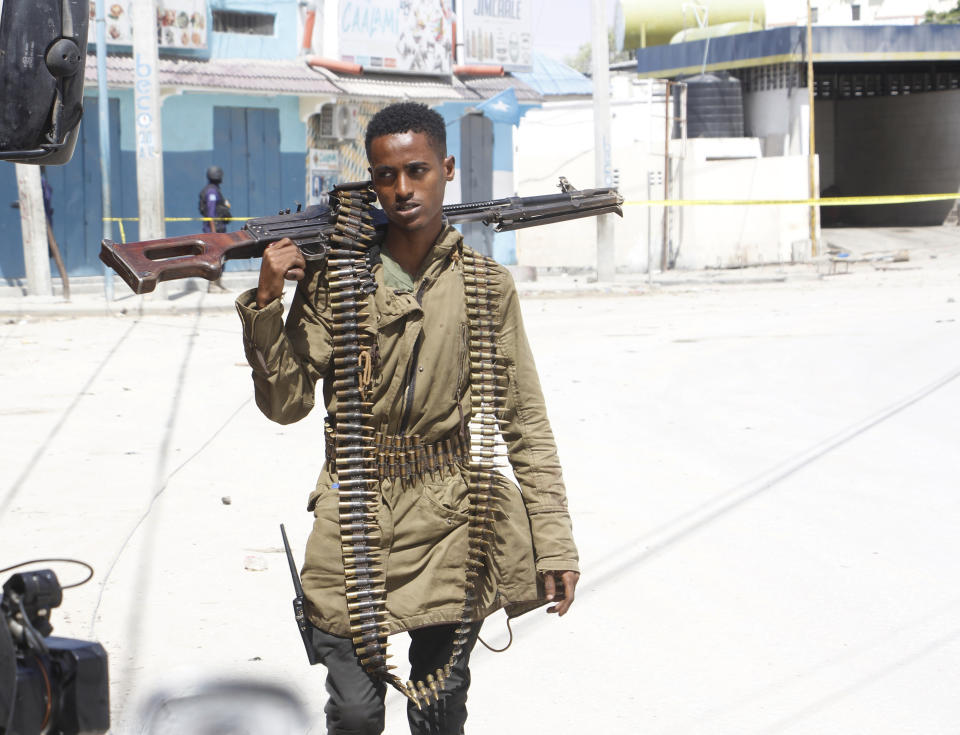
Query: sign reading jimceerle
(497,32)
(415,36)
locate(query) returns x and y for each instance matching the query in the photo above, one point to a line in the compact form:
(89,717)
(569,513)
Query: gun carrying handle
(143,264)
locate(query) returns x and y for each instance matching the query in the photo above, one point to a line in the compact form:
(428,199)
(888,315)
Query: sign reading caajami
(415,36)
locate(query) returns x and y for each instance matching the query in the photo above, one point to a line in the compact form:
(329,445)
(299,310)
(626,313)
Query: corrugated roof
(486,87)
(295,77)
(239,75)
(397,86)
(553,78)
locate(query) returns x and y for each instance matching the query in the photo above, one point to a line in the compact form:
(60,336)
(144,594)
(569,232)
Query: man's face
(409,177)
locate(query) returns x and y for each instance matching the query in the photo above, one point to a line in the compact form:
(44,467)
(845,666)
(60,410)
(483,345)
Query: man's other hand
(282,260)
(560,586)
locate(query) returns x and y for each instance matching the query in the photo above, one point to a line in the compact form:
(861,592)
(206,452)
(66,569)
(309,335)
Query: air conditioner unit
(339,121)
(346,121)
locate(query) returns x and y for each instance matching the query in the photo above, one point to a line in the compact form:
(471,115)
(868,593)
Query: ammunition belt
(487,447)
(363,457)
(406,458)
(350,280)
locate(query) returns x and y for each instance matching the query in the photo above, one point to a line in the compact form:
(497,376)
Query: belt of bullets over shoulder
(364,457)
(350,282)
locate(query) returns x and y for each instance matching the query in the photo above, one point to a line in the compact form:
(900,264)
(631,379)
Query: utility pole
(103,110)
(33,226)
(606,262)
(146,104)
(812,179)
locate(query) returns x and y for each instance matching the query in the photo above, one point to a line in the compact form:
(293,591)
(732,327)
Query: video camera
(48,685)
(43,49)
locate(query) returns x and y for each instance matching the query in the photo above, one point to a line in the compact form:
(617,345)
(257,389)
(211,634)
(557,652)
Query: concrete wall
(557,140)
(283,44)
(891,145)
(729,236)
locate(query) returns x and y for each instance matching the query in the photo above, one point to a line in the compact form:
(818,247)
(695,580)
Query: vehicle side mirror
(43,47)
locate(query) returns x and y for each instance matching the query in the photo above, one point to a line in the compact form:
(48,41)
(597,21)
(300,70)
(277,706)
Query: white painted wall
(728,236)
(558,140)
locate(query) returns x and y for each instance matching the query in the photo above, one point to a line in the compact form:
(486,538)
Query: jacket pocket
(323,491)
(446,500)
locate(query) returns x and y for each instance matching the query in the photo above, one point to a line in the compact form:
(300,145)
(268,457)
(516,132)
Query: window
(232,21)
(855,11)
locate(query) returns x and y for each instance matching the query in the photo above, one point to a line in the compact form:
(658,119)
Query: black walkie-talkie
(302,623)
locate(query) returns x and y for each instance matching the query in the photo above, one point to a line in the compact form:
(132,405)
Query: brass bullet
(374,660)
(364,627)
(356,515)
(360,483)
(360,594)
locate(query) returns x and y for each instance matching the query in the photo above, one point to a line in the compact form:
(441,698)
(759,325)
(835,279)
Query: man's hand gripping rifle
(143,264)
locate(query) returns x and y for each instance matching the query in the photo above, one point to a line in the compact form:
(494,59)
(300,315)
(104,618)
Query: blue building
(282,125)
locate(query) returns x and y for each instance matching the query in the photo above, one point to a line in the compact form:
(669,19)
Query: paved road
(763,479)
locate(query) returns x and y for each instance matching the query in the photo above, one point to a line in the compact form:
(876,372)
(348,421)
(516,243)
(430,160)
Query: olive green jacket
(424,524)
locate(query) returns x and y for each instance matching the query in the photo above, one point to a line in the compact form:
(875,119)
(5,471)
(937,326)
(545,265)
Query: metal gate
(246,145)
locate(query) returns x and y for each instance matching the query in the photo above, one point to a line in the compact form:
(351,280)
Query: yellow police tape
(123,234)
(821,201)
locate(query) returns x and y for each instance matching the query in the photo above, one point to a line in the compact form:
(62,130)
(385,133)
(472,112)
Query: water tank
(655,22)
(714,106)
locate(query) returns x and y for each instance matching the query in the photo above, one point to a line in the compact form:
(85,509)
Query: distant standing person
(213,204)
(215,208)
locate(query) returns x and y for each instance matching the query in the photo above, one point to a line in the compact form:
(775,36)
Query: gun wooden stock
(144,264)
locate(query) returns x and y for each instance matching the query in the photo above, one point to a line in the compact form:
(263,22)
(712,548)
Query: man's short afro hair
(402,117)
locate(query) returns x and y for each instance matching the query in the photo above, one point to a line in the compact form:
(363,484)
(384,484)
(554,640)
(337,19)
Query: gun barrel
(144,264)
(516,212)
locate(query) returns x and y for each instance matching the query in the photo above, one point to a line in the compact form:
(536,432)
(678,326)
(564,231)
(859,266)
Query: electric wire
(59,561)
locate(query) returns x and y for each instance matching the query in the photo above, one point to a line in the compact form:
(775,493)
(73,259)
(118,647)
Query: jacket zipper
(412,369)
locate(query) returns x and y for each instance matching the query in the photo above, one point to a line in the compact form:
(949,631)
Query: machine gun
(143,264)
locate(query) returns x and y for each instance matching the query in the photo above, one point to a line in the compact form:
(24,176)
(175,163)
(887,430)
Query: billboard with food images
(180,23)
(414,36)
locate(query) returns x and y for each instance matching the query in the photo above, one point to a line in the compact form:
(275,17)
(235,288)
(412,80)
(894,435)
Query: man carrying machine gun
(429,384)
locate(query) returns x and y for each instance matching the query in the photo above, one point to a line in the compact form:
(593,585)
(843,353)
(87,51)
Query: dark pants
(355,704)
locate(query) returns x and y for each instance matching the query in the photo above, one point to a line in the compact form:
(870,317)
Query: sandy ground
(762,469)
